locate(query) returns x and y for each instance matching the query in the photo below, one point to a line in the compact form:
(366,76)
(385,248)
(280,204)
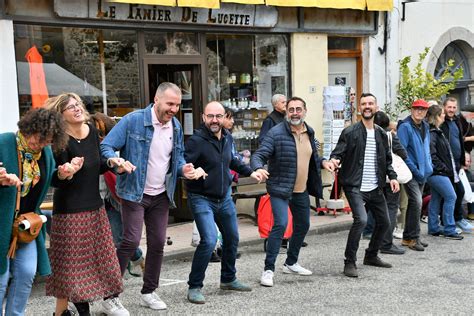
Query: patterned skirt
(83,258)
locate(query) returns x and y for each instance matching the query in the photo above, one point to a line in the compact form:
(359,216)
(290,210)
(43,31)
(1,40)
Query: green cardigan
(9,157)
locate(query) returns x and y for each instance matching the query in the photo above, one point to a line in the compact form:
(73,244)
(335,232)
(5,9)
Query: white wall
(9,108)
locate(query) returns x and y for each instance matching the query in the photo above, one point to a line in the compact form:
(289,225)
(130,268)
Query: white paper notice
(188,123)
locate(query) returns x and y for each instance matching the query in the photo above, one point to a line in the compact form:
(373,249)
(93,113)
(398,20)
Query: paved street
(436,281)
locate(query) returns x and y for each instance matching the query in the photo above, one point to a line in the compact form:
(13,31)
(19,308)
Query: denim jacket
(132,137)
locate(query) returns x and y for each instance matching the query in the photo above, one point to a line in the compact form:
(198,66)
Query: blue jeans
(441,189)
(115,220)
(359,203)
(22,270)
(412,219)
(206,212)
(299,205)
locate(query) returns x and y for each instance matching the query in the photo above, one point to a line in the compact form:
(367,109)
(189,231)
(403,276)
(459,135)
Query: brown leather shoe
(413,244)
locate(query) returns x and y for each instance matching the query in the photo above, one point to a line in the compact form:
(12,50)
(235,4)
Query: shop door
(186,77)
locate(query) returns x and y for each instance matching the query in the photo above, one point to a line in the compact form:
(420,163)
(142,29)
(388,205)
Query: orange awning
(211,4)
(370,5)
(168,3)
(244,1)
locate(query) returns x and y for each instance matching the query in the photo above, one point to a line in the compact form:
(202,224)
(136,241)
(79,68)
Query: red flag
(39,90)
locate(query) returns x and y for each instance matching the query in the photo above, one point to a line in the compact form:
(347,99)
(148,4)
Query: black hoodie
(204,150)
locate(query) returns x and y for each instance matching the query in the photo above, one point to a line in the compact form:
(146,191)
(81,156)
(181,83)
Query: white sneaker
(397,233)
(267,278)
(153,301)
(296,269)
(114,307)
(424,219)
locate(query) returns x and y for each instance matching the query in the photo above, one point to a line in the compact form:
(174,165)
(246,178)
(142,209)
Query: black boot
(83,308)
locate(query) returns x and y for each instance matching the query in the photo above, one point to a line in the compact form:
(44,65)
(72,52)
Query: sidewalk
(181,234)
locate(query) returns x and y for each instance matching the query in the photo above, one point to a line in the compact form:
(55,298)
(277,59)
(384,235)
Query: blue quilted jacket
(279,150)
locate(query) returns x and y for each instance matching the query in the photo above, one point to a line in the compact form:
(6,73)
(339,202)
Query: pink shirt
(159,156)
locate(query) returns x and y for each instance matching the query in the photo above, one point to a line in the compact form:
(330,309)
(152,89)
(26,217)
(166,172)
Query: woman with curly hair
(83,260)
(27,150)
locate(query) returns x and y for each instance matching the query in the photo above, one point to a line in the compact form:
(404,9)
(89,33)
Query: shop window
(244,71)
(342,43)
(99,65)
(171,43)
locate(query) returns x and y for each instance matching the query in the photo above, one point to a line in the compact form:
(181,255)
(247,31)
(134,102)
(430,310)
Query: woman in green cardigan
(31,144)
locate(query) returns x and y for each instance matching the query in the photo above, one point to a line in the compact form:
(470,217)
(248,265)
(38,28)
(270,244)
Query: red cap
(420,103)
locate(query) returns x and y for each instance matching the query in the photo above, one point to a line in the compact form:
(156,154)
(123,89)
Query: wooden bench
(250,194)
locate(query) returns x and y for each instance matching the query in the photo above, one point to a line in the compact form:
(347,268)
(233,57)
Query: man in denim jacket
(150,142)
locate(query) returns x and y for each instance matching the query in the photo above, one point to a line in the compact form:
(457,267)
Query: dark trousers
(393,204)
(153,211)
(359,203)
(412,219)
(458,210)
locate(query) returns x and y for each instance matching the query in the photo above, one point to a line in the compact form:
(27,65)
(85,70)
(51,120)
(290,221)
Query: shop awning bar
(370,5)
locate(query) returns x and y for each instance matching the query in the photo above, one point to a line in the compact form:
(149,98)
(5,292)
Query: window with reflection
(100,65)
(244,71)
(171,43)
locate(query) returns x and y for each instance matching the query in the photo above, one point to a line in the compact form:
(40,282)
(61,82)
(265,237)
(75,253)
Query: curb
(187,254)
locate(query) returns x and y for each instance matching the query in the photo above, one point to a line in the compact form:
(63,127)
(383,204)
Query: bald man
(210,149)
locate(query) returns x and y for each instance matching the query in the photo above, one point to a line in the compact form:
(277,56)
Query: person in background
(452,130)
(470,177)
(414,135)
(277,116)
(150,142)
(112,203)
(30,148)
(442,180)
(84,265)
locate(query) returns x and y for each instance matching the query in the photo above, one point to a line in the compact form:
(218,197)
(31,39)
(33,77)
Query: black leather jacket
(350,150)
(440,154)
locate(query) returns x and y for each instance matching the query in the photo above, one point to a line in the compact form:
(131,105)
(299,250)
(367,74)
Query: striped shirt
(369,171)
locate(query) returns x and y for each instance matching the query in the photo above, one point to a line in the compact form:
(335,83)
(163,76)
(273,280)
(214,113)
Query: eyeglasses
(72,107)
(217,116)
(297,110)
(353,94)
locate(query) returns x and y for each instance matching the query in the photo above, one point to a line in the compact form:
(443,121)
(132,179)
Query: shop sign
(236,15)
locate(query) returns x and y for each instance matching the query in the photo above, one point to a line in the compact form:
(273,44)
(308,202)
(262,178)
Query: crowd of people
(111,179)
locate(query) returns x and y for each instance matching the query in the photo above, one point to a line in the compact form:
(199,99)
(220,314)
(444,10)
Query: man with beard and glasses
(294,170)
(363,156)
(210,201)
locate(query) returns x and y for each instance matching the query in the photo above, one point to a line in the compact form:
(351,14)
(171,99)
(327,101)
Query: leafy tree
(416,83)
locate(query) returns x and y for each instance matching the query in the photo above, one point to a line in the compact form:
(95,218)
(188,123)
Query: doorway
(187,78)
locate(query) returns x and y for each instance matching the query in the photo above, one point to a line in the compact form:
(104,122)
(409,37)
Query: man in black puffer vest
(294,173)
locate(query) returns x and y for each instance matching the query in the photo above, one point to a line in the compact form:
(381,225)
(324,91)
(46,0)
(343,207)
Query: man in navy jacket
(295,173)
(209,198)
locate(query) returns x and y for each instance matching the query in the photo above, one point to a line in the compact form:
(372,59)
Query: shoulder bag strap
(18,191)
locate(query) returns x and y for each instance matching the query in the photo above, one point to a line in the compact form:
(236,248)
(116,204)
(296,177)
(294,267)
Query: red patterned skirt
(83,258)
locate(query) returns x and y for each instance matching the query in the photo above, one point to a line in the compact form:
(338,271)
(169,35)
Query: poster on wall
(340,79)
(278,85)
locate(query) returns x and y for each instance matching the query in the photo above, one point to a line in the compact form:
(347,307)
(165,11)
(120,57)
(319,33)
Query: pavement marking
(170,282)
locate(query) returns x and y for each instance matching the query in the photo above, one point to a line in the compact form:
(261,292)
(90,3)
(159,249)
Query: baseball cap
(420,103)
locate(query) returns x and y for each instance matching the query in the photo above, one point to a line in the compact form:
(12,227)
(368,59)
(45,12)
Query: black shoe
(421,243)
(215,257)
(304,244)
(350,270)
(394,250)
(284,243)
(454,236)
(238,255)
(437,234)
(376,262)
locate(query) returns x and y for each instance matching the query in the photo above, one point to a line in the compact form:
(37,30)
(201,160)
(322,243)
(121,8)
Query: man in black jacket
(365,160)
(452,130)
(295,173)
(277,116)
(210,149)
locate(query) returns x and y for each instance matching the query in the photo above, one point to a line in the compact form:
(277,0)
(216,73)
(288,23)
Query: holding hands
(68,169)
(121,164)
(8,179)
(193,174)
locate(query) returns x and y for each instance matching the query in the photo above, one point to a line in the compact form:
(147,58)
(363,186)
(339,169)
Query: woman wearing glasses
(84,264)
